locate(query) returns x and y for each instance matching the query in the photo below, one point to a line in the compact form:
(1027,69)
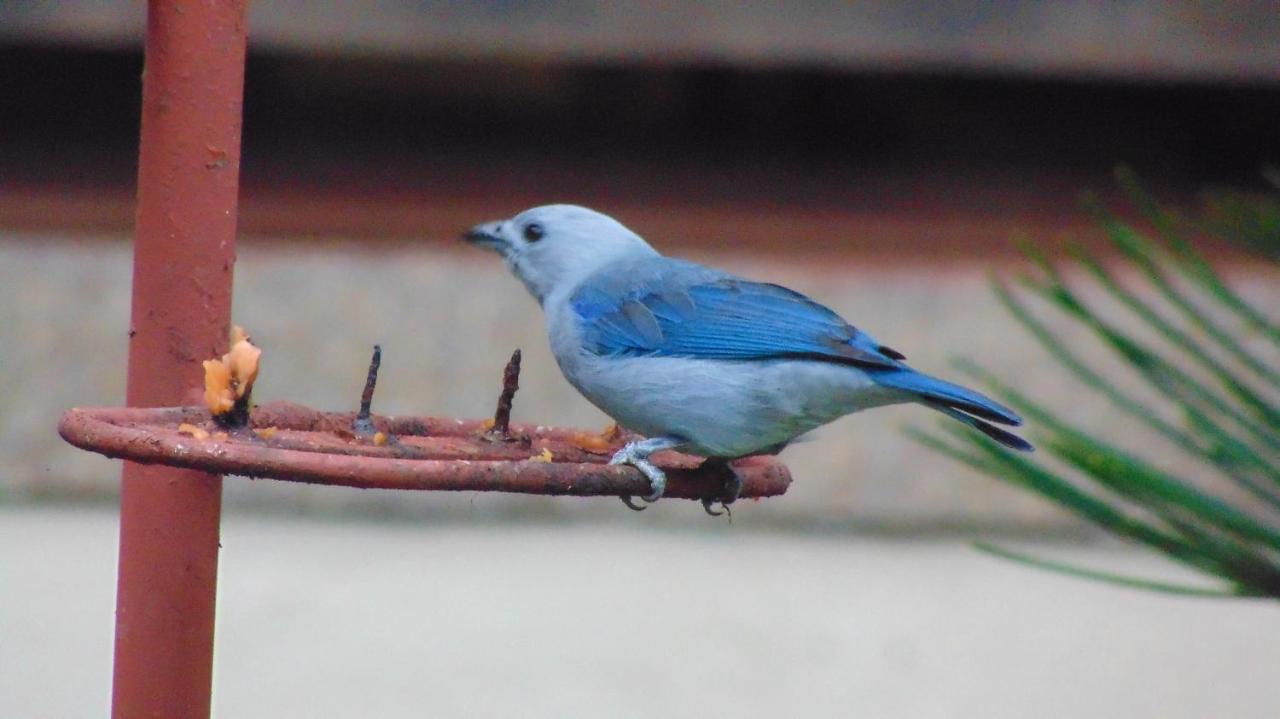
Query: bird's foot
(637,454)
(657,479)
(729,493)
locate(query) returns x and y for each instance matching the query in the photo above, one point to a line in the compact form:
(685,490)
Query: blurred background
(880,157)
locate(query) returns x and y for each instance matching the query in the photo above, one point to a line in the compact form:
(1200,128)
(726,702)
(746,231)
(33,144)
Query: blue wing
(671,308)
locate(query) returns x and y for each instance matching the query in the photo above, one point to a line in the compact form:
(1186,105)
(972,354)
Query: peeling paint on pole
(184,255)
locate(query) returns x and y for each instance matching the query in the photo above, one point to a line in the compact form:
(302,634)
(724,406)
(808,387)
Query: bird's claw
(707,503)
(728,494)
(638,458)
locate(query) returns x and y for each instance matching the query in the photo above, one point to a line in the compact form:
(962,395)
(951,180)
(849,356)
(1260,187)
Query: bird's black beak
(486,236)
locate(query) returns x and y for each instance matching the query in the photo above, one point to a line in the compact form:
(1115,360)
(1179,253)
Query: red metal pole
(184,251)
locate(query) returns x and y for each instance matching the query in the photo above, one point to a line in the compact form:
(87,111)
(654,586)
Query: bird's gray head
(558,245)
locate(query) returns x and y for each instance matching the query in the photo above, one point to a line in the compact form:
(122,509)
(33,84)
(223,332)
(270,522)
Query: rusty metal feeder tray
(290,442)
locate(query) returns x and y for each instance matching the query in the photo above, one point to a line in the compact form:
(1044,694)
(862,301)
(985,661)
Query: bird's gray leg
(637,454)
(732,485)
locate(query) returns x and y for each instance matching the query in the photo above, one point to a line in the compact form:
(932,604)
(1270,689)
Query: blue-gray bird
(700,360)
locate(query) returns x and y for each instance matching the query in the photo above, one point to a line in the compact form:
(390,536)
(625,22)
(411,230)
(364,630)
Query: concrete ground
(344,618)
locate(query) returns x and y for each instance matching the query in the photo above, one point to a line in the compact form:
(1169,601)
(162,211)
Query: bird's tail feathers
(1008,439)
(947,394)
(958,403)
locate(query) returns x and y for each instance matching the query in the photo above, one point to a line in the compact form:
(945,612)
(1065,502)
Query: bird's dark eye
(533,232)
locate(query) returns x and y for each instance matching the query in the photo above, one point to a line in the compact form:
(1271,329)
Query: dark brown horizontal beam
(1229,39)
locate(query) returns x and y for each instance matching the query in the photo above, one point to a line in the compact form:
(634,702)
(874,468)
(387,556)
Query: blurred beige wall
(448,319)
